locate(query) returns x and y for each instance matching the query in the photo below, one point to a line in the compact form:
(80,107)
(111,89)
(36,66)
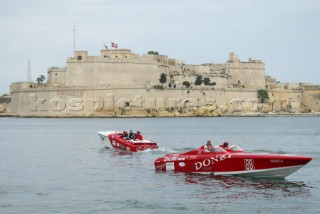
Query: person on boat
(208,147)
(125,135)
(138,136)
(225,145)
(131,135)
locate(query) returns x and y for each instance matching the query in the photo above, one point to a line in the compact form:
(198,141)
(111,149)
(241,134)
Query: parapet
(79,55)
(233,57)
(118,53)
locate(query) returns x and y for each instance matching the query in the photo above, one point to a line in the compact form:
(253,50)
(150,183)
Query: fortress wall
(111,74)
(285,100)
(79,102)
(311,100)
(109,85)
(217,67)
(56,76)
(221,82)
(202,69)
(250,75)
(95,101)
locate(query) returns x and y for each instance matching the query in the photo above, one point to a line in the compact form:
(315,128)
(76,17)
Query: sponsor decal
(192,157)
(210,161)
(182,164)
(170,166)
(171,158)
(276,161)
(249,164)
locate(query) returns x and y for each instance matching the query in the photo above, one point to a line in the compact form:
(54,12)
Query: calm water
(59,166)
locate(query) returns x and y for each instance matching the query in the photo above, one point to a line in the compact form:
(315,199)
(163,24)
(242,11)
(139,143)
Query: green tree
(199,80)
(163,78)
(263,95)
(40,79)
(186,83)
(206,81)
(153,52)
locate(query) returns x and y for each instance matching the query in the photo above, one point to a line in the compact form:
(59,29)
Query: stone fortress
(119,83)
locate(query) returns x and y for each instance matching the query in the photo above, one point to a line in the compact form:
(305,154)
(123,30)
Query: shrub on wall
(160,87)
(186,83)
(263,95)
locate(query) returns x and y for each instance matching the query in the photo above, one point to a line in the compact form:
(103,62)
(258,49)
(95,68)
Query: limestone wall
(311,100)
(113,74)
(95,101)
(249,74)
(120,83)
(56,76)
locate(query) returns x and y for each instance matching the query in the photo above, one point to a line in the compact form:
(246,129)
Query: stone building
(122,83)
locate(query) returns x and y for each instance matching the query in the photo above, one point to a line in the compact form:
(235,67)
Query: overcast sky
(284,34)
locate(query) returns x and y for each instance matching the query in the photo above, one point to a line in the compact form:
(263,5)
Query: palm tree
(40,79)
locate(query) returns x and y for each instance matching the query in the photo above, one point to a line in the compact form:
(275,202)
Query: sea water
(59,166)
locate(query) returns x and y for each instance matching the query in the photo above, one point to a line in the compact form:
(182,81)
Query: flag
(114,45)
(105,46)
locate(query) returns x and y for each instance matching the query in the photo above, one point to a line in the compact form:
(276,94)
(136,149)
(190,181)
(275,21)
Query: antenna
(74,37)
(29,70)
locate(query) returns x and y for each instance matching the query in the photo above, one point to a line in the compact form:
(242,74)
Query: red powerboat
(119,140)
(232,161)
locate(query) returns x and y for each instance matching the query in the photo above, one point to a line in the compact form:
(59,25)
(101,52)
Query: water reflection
(114,152)
(244,187)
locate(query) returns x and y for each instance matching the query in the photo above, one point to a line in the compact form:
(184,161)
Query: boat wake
(267,151)
(162,150)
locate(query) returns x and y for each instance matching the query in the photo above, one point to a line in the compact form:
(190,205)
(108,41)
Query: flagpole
(74,37)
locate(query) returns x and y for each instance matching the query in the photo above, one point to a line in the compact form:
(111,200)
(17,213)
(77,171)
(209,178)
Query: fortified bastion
(122,83)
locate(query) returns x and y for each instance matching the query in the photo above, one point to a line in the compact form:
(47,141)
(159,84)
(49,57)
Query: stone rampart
(95,101)
(121,83)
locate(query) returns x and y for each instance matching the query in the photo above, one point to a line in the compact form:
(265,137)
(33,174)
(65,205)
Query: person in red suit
(138,136)
(225,145)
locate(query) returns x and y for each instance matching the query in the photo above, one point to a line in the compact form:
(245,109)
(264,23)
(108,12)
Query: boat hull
(113,139)
(103,135)
(242,164)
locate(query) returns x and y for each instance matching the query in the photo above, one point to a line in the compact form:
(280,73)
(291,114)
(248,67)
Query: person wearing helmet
(138,136)
(125,135)
(208,147)
(225,145)
(131,135)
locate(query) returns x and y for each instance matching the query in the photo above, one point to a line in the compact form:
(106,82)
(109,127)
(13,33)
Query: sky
(284,34)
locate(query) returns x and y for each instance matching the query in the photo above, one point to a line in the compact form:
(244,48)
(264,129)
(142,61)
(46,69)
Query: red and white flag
(114,45)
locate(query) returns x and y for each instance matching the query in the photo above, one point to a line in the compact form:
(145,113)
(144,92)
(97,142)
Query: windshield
(235,148)
(213,149)
(219,149)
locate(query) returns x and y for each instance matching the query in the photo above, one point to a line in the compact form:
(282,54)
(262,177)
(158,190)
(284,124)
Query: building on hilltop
(121,68)
(122,83)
